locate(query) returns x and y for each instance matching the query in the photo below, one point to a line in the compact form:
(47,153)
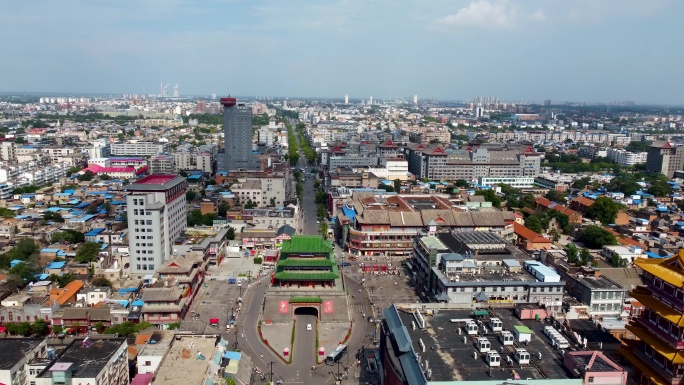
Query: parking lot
(216,299)
(384,288)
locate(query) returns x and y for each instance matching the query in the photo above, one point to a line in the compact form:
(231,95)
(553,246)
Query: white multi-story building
(138,148)
(264,192)
(626,158)
(8,151)
(204,162)
(86,361)
(156,217)
(266,136)
(513,181)
(15,355)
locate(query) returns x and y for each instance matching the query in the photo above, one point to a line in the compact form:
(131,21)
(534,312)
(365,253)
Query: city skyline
(537,50)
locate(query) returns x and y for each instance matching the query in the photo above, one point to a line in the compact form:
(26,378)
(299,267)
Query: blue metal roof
(56,265)
(94,232)
(653,255)
(350,213)
(232,355)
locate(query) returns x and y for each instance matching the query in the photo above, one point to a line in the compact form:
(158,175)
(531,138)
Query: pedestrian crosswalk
(361,308)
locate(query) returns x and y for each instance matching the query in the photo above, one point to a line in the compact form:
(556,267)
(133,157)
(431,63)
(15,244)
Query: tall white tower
(370,101)
(415,99)
(346,99)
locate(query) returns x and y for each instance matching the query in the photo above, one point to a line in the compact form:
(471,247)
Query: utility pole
(271,371)
(236,335)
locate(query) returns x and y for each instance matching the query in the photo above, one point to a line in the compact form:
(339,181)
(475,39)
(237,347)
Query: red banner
(284,308)
(328,307)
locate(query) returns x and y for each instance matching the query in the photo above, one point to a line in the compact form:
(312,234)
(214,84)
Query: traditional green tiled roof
(306,300)
(306,244)
(305,276)
(305,262)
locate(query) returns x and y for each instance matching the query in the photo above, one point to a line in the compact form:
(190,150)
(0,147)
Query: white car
(308,327)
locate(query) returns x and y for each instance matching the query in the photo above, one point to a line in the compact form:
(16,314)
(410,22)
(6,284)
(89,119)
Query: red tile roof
(528,234)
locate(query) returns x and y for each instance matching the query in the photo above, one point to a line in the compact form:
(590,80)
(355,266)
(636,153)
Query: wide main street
(304,350)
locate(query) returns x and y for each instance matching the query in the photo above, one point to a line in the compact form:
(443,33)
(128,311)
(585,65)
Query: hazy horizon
(580,51)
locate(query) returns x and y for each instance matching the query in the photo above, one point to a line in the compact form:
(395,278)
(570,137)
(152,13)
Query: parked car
(308,327)
(344,264)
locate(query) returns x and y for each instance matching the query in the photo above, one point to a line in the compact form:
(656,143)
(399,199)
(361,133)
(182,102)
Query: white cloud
(490,14)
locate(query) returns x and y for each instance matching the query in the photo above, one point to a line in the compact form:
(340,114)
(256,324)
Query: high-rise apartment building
(156,217)
(237,131)
(664,158)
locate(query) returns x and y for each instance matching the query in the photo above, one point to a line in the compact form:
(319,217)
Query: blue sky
(579,50)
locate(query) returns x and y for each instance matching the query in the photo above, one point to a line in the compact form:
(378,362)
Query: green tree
(571,252)
(624,183)
(387,188)
(174,326)
(194,218)
(223,209)
(190,195)
(585,256)
(490,196)
(25,248)
(62,280)
(555,235)
(616,261)
(250,204)
(99,326)
(6,213)
(208,219)
(323,227)
(230,235)
(57,329)
(596,237)
(581,182)
(26,271)
(533,223)
(87,252)
(39,327)
(183,173)
(638,146)
(50,216)
(462,183)
(101,280)
(555,196)
(397,185)
(660,188)
(604,209)
(24,329)
(86,176)
(127,329)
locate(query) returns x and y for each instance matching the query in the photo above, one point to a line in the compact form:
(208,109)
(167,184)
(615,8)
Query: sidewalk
(279,337)
(331,334)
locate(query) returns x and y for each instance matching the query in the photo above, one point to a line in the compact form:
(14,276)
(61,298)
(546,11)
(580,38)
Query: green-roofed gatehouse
(306,262)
